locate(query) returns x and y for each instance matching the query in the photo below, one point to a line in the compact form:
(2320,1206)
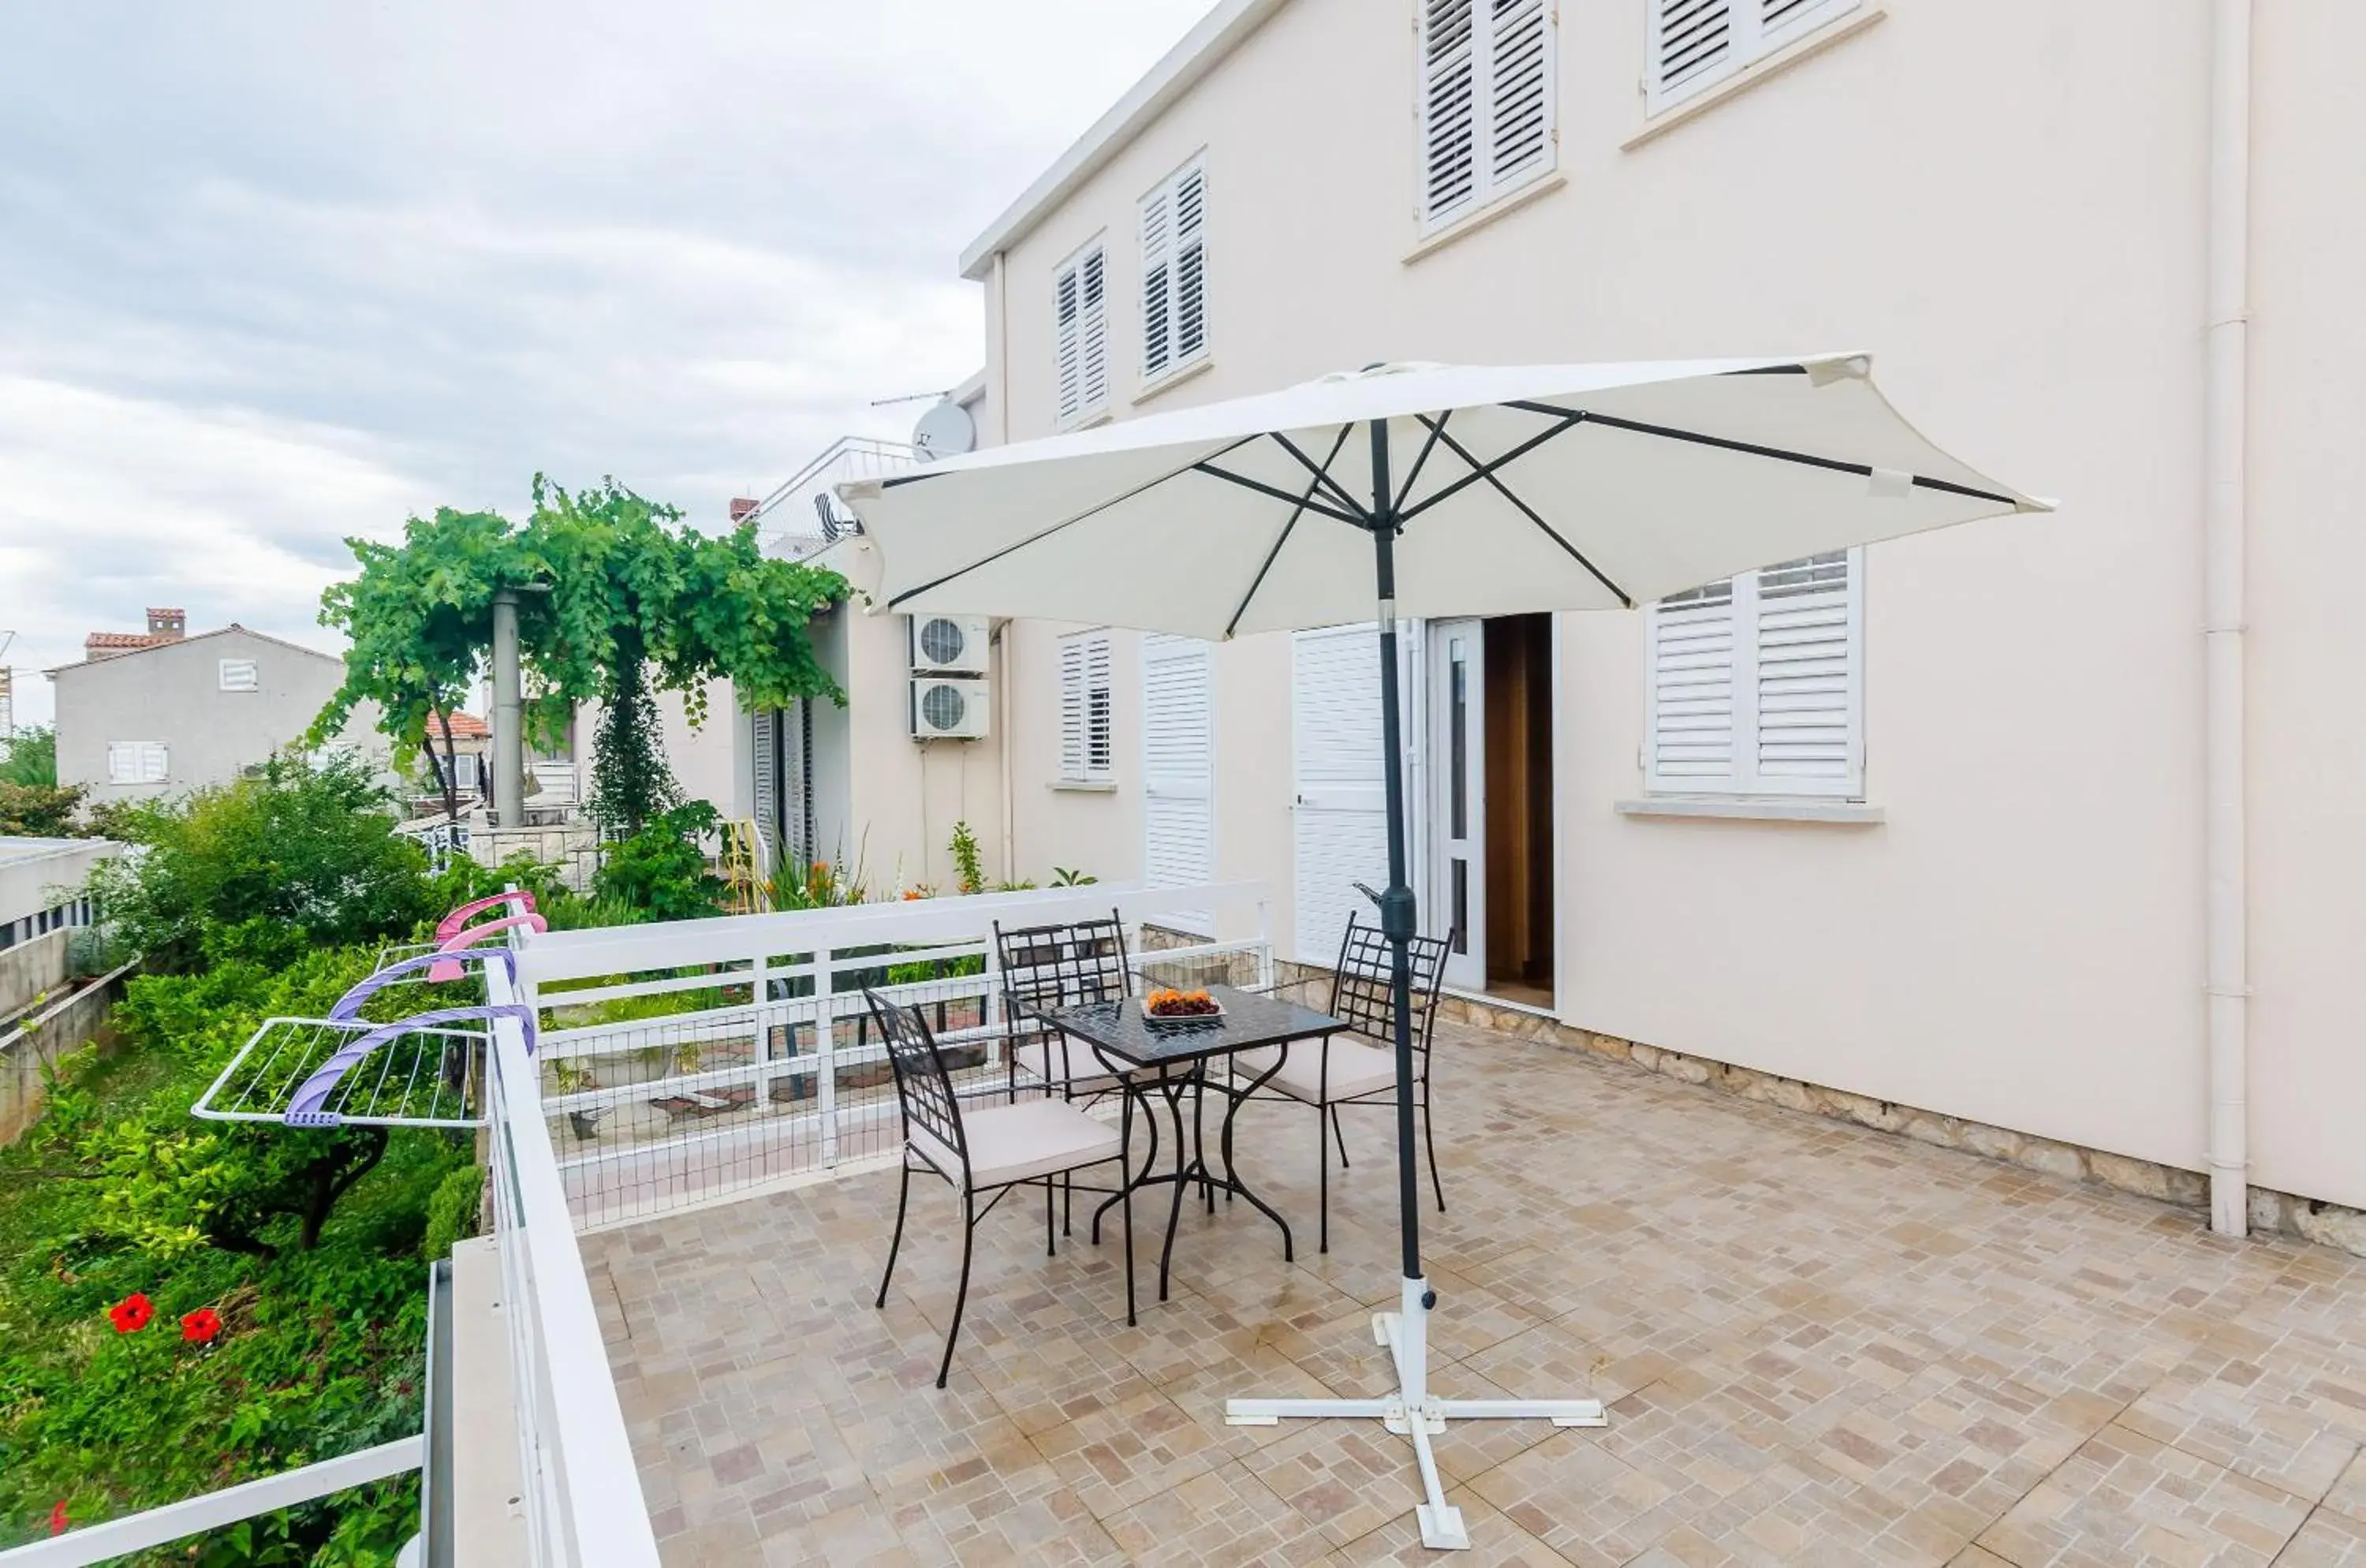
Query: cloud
(280,273)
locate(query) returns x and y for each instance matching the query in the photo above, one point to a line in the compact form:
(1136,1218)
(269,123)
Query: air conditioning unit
(947,708)
(949,645)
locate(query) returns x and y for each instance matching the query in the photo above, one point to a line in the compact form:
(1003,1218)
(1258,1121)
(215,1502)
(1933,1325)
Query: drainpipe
(2223,521)
(1001,639)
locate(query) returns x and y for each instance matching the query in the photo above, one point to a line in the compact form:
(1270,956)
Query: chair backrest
(1082,961)
(1361,993)
(922,1084)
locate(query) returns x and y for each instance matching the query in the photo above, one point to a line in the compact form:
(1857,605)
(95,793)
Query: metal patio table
(1144,1056)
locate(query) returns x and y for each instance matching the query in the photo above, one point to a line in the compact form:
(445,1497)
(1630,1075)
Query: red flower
(201,1327)
(58,1519)
(130,1314)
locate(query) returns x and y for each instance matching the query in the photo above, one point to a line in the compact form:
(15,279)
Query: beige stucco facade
(2006,201)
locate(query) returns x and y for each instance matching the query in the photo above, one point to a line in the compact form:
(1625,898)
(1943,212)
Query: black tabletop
(1247,1023)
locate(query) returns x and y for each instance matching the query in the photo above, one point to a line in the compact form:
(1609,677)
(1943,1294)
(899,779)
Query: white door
(1178,752)
(1457,906)
(1339,824)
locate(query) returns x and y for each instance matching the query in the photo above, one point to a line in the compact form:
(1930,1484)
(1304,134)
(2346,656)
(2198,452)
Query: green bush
(294,858)
(452,1212)
(661,870)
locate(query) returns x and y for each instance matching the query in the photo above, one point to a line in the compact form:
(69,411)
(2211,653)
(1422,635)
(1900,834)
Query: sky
(279,272)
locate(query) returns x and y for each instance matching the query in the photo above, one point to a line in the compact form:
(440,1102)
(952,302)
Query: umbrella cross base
(1412,1413)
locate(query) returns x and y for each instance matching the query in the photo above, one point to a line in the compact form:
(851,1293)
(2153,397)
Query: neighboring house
(464,745)
(1952,822)
(40,903)
(146,715)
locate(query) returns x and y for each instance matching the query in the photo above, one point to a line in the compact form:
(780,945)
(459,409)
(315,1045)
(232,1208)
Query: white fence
(582,1501)
(700,1061)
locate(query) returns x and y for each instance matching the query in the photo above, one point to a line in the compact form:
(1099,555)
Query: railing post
(825,1052)
(760,973)
(1265,944)
(990,1010)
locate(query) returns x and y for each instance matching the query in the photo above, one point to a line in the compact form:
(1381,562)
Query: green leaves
(623,599)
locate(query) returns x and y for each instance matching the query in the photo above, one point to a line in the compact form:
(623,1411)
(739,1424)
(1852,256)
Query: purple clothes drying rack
(344,1070)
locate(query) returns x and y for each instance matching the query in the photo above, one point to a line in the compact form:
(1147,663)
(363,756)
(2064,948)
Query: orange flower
(201,1327)
(131,1313)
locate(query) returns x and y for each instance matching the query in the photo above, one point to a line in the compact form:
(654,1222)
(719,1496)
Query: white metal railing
(582,1491)
(755,1067)
(796,533)
(212,1510)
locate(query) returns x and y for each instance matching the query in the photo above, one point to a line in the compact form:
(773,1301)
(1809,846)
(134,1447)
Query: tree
(628,603)
(31,759)
(41,811)
(419,616)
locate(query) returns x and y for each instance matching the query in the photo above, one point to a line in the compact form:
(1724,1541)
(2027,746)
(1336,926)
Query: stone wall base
(2277,1213)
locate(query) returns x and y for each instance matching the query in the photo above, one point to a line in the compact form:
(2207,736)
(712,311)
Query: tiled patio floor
(1822,1345)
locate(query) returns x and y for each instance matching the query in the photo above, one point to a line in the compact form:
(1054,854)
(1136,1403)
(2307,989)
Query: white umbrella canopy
(1517,489)
(1422,491)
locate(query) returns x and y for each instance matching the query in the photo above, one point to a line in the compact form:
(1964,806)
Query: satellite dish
(945,430)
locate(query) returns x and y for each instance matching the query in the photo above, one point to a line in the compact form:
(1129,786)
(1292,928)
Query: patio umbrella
(1423,490)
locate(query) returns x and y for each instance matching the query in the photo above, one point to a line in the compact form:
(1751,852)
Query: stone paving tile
(2124,1498)
(2328,1541)
(1820,1345)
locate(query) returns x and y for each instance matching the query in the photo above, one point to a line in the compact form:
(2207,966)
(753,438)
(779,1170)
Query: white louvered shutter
(1190,264)
(1486,101)
(1692,43)
(1174,273)
(764,780)
(1690,706)
(1756,685)
(1092,331)
(1449,109)
(1519,97)
(1808,676)
(1177,770)
(1339,820)
(1087,743)
(1068,328)
(1696,43)
(1157,282)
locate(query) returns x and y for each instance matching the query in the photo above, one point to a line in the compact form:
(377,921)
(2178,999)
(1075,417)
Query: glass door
(1457,906)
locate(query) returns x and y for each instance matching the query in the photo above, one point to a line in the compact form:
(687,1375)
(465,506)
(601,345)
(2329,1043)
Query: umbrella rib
(1323,478)
(1570,419)
(1283,537)
(1041,535)
(1626,600)
(1779,454)
(1421,458)
(1307,500)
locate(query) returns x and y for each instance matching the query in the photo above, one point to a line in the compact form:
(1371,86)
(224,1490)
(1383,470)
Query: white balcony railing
(582,1501)
(787,519)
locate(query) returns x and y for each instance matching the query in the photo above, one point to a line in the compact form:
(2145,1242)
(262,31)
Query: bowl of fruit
(1168,1005)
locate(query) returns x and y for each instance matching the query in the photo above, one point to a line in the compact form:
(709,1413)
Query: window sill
(1171,380)
(1756,809)
(1098,416)
(1750,75)
(1472,222)
(1084,787)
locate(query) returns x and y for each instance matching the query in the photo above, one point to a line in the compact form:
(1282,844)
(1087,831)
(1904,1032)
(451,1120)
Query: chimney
(742,507)
(170,626)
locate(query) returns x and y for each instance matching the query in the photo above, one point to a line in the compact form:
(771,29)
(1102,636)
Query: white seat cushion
(1059,1060)
(1354,1070)
(1013,1143)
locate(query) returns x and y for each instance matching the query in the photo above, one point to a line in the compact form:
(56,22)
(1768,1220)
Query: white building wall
(1956,189)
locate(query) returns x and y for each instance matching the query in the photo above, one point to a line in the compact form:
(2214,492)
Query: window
(1696,44)
(238,675)
(1087,748)
(1081,348)
(1486,94)
(135,761)
(464,772)
(1174,273)
(1757,684)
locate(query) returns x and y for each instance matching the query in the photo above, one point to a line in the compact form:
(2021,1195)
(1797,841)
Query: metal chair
(1059,965)
(1333,1072)
(988,1150)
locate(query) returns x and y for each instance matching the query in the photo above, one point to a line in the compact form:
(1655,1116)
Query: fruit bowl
(1166,1007)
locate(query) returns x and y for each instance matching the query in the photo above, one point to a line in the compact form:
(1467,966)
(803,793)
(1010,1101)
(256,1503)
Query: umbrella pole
(1410,1412)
